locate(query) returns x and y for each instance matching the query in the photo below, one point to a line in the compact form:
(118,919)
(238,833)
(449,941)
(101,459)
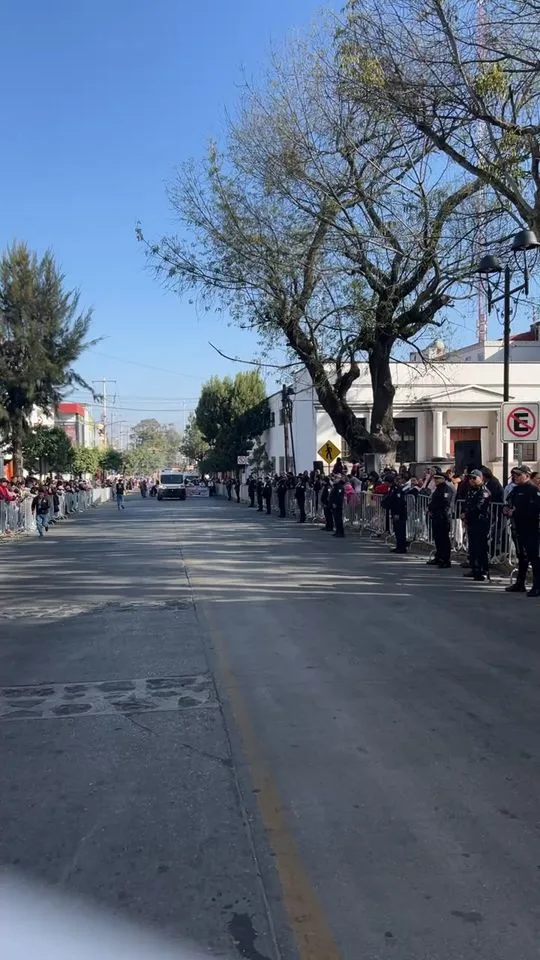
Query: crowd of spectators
(48,499)
(473,503)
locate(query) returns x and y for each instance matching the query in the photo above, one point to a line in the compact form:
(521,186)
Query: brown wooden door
(463,433)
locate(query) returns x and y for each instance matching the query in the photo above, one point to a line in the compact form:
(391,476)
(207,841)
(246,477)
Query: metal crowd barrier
(365,514)
(17,517)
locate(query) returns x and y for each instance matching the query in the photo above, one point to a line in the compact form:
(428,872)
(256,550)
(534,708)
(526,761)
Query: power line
(148,366)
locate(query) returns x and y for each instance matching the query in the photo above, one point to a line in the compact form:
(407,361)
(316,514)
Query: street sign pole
(506,361)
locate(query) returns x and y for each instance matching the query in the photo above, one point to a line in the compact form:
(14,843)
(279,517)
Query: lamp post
(490,267)
(287,393)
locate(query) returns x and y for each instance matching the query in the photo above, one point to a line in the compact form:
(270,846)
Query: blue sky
(104,99)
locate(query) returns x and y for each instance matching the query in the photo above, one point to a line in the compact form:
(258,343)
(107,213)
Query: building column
(422,427)
(438,434)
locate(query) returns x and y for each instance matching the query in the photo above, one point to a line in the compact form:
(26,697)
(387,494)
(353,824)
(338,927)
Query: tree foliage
(193,446)
(464,77)
(112,460)
(320,224)
(47,448)
(231,414)
(259,461)
(85,460)
(42,334)
(153,445)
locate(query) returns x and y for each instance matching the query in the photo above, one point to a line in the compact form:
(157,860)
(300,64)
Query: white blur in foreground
(42,926)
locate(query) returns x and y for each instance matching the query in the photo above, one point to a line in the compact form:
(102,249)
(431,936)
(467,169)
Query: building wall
(448,394)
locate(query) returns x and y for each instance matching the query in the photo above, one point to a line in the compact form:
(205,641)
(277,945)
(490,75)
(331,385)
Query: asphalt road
(279,745)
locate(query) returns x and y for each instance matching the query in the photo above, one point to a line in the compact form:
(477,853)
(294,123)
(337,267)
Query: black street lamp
(490,268)
(287,393)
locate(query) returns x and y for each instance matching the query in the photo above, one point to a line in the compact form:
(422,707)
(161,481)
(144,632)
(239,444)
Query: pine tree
(42,334)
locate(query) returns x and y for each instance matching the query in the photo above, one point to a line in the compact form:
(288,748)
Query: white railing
(17,517)
(365,514)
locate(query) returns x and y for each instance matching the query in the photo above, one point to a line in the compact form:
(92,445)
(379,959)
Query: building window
(406,445)
(525,452)
(282,465)
(272,418)
(281,417)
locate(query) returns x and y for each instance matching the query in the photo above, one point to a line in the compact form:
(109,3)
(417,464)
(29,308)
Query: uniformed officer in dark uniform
(300,497)
(523,506)
(237,489)
(252,487)
(336,499)
(440,513)
(477,519)
(282,487)
(395,502)
(327,509)
(260,488)
(267,494)
(228,487)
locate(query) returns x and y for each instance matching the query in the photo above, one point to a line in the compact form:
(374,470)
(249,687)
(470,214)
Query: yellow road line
(312,934)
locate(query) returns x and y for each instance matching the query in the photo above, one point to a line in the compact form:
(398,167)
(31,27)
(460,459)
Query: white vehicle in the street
(171,485)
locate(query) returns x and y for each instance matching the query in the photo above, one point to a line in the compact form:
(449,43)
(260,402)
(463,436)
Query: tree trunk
(381,437)
(17,434)
(382,432)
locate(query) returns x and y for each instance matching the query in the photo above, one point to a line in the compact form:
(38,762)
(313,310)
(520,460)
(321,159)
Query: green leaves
(111,460)
(47,448)
(42,333)
(230,415)
(154,445)
(85,460)
(193,446)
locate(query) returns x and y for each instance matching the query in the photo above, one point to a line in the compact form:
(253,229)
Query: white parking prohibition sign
(519,422)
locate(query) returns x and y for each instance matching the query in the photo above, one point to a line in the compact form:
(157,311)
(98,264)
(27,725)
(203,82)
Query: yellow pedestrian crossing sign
(329,452)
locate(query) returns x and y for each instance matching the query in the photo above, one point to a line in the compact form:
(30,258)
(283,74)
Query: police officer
(252,487)
(477,519)
(336,499)
(300,497)
(267,494)
(523,506)
(259,491)
(395,501)
(327,509)
(229,485)
(440,513)
(282,487)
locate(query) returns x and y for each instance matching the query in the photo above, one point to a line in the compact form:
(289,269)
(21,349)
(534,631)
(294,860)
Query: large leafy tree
(47,448)
(153,445)
(43,332)
(465,76)
(85,460)
(111,459)
(319,225)
(193,446)
(231,414)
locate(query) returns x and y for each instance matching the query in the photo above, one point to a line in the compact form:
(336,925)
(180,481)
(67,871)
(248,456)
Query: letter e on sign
(519,421)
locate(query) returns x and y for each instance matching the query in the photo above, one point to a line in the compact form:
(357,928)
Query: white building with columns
(454,397)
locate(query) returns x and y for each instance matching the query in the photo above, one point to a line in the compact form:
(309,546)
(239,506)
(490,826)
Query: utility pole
(285,425)
(287,394)
(103,394)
